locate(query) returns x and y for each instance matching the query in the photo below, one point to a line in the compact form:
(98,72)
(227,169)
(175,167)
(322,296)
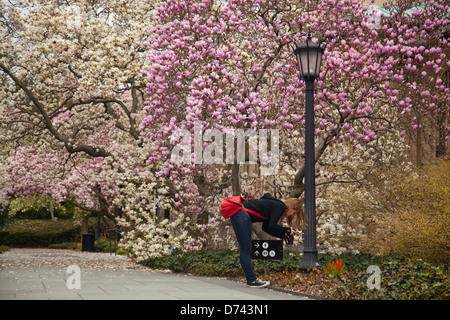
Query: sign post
(267,249)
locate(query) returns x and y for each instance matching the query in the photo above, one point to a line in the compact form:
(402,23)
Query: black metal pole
(310,260)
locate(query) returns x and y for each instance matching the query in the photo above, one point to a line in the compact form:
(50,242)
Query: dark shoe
(258,284)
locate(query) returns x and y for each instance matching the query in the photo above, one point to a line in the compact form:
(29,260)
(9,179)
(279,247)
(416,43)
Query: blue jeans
(242,226)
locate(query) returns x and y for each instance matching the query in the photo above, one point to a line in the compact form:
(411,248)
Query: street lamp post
(309,59)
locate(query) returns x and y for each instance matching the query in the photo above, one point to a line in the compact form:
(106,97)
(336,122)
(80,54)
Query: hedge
(38,238)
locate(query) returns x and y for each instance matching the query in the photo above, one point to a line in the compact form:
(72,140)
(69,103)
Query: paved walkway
(44,274)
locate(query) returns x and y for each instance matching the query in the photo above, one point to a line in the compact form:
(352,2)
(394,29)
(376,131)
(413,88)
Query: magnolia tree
(66,177)
(70,71)
(71,96)
(71,105)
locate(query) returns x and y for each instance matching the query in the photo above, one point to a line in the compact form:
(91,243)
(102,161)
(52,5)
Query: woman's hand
(289,233)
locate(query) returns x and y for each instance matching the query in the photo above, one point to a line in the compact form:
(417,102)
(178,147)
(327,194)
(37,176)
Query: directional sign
(267,249)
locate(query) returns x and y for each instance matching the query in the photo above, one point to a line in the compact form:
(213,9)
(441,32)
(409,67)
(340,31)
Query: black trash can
(87,242)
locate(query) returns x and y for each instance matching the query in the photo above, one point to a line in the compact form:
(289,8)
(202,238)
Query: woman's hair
(298,220)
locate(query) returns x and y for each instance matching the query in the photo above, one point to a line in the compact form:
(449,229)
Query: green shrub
(218,262)
(38,233)
(401,278)
(64,245)
(37,238)
(105,245)
(214,262)
(39,214)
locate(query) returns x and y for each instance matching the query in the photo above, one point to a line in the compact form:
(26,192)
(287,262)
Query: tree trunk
(299,187)
(235,183)
(52,212)
(260,234)
(84,224)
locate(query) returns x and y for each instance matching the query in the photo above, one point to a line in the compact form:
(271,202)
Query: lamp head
(309,58)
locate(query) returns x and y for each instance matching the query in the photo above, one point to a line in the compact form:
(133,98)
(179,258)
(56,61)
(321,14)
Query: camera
(290,240)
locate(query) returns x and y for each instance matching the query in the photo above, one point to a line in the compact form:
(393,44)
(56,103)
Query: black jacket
(272,209)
